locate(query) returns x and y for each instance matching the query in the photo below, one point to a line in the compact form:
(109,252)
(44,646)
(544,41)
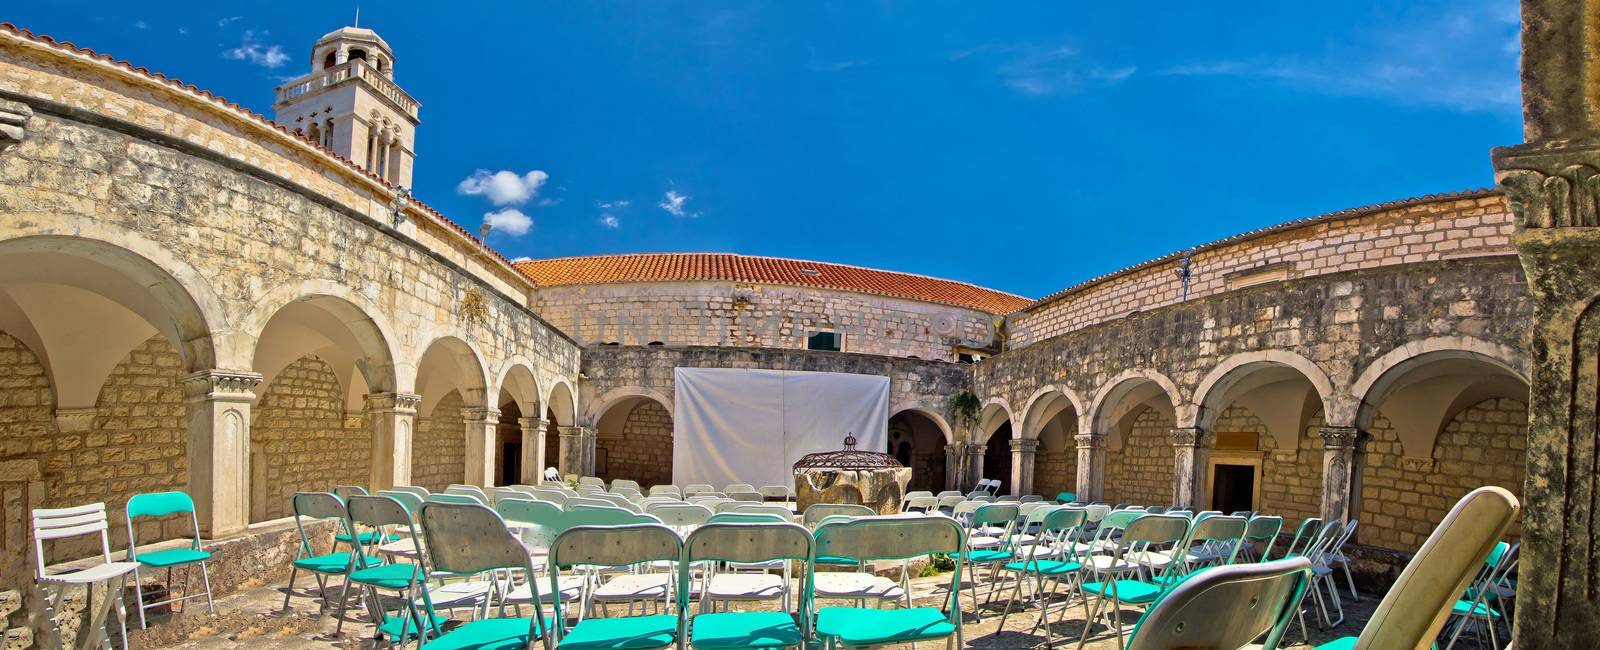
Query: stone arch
(996,412)
(451,382)
(917,437)
(932,413)
(517,395)
(353,340)
(561,403)
(80,304)
(1045,403)
(518,383)
(1437,378)
(1273,383)
(633,436)
(1115,399)
(450,363)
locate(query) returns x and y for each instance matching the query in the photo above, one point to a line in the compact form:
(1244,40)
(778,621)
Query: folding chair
(816,512)
(1422,598)
(1303,538)
(921,504)
(762,509)
(469,490)
(618,483)
(1225,607)
(1482,608)
(1263,531)
(1336,558)
(749,496)
(665,490)
(1322,573)
(592,480)
(324,506)
(776,493)
(738,487)
(988,541)
(750,543)
(1212,540)
(51,524)
(1055,558)
(697,488)
(892,538)
(406,580)
(470,539)
(616,546)
(159,504)
(1145,531)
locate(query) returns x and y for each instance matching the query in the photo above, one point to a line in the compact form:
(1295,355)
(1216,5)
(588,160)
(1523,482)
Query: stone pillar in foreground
(1553,186)
(1191,459)
(533,459)
(393,417)
(218,404)
(589,439)
(571,460)
(1023,453)
(1343,460)
(1090,486)
(482,435)
(975,451)
(954,458)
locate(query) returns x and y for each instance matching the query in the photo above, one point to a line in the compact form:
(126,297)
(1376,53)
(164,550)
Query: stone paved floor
(252,620)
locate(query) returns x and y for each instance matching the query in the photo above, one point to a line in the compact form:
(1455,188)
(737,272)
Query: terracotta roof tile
(666,267)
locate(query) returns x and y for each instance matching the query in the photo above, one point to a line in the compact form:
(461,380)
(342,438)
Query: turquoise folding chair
(1225,607)
(988,542)
(1481,607)
(748,543)
(616,546)
(892,538)
(407,580)
(1146,531)
(159,504)
(324,506)
(471,539)
(1261,531)
(815,513)
(1055,558)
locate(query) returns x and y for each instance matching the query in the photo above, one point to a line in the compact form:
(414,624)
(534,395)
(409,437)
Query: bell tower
(349,103)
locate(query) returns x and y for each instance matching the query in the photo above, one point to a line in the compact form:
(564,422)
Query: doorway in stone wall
(1233,488)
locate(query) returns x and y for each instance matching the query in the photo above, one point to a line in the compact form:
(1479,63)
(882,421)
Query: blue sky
(1022,146)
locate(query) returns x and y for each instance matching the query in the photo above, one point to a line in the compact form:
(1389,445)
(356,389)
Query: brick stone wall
(298,433)
(642,449)
(1056,460)
(1141,471)
(707,313)
(1476,224)
(1291,479)
(439,453)
(1402,498)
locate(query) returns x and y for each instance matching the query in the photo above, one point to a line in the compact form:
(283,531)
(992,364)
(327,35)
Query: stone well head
(872,479)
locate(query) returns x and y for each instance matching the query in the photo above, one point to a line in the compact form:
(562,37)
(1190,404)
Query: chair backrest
(1155,530)
(816,512)
(747,518)
(1415,609)
(1264,529)
(618,501)
(1009,498)
(589,501)
(665,490)
(986,498)
(1097,511)
(469,490)
(618,483)
(738,487)
(380,511)
(951,500)
(458,499)
(410,500)
(347,491)
(321,506)
(60,523)
(498,493)
(921,504)
(776,492)
(557,497)
(748,496)
(1156,510)
(159,504)
(723,505)
(918,493)
(1031,498)
(697,488)
(413,489)
(1303,536)
(995,514)
(966,507)
(466,539)
(679,514)
(1220,528)
(632,495)
(889,537)
(591,480)
(741,507)
(1225,607)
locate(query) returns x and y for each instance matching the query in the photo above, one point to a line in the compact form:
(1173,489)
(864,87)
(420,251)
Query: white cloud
(503,187)
(139,24)
(183,31)
(614,205)
(1464,59)
(252,50)
(510,221)
(516,260)
(610,221)
(226,21)
(1039,71)
(674,204)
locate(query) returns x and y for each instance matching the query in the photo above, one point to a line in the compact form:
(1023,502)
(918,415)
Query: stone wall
(300,436)
(1291,479)
(771,316)
(1471,224)
(642,449)
(1141,471)
(1404,497)
(438,456)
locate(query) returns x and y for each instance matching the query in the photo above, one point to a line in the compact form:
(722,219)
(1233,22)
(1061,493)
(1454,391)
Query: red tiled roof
(666,267)
(248,114)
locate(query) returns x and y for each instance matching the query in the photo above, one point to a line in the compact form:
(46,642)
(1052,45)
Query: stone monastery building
(195,297)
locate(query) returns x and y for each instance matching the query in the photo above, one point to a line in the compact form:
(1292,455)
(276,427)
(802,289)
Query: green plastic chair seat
(391,628)
(1343,643)
(1044,567)
(861,626)
(331,563)
(366,538)
(388,576)
(1128,591)
(172,557)
(834,560)
(1462,607)
(982,556)
(745,630)
(630,633)
(488,634)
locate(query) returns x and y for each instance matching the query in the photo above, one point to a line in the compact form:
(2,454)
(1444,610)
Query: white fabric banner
(733,425)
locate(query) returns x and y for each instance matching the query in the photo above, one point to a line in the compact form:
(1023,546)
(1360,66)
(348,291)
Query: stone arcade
(194,297)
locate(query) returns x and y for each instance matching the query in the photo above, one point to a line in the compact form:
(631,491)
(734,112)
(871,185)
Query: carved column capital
(1551,184)
(13,123)
(572,431)
(393,402)
(1024,445)
(1342,438)
(1191,437)
(1090,441)
(480,414)
(533,424)
(224,385)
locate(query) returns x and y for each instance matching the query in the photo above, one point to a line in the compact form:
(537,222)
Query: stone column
(1023,453)
(394,419)
(218,404)
(588,438)
(533,459)
(954,465)
(1191,458)
(1553,186)
(482,437)
(571,461)
(975,452)
(1343,457)
(1090,486)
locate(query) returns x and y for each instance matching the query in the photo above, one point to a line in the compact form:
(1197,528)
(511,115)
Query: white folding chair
(52,524)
